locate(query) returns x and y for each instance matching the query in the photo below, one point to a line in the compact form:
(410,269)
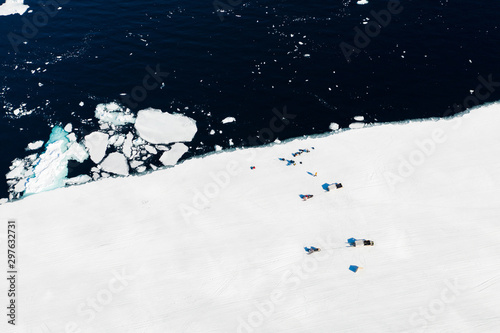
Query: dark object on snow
(353,268)
(305,196)
(326,186)
(360,242)
(351,240)
(252,167)
(312,249)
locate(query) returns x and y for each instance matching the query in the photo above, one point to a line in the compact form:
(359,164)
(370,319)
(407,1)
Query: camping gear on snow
(326,186)
(306,196)
(312,249)
(354,268)
(360,242)
(252,167)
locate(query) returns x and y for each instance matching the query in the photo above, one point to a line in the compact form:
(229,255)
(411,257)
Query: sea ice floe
(20,186)
(119,141)
(51,167)
(10,7)
(113,113)
(17,169)
(138,141)
(135,163)
(228,120)
(162,147)
(68,128)
(356,125)
(71,137)
(334,126)
(158,127)
(359,118)
(96,143)
(81,179)
(115,163)
(150,149)
(171,157)
(35,145)
(127,145)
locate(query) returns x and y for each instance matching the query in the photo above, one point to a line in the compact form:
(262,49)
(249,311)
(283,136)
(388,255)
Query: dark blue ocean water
(256,56)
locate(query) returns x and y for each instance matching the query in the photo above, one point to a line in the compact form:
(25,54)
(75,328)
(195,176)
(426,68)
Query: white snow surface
(173,155)
(213,246)
(10,7)
(115,163)
(97,143)
(157,127)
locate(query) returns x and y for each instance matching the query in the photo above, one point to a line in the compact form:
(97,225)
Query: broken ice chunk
(116,163)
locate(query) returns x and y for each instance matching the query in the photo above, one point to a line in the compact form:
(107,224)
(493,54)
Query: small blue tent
(325,186)
(351,241)
(353,268)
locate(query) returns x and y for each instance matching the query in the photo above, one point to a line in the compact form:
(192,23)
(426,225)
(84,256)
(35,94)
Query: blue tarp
(351,240)
(353,268)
